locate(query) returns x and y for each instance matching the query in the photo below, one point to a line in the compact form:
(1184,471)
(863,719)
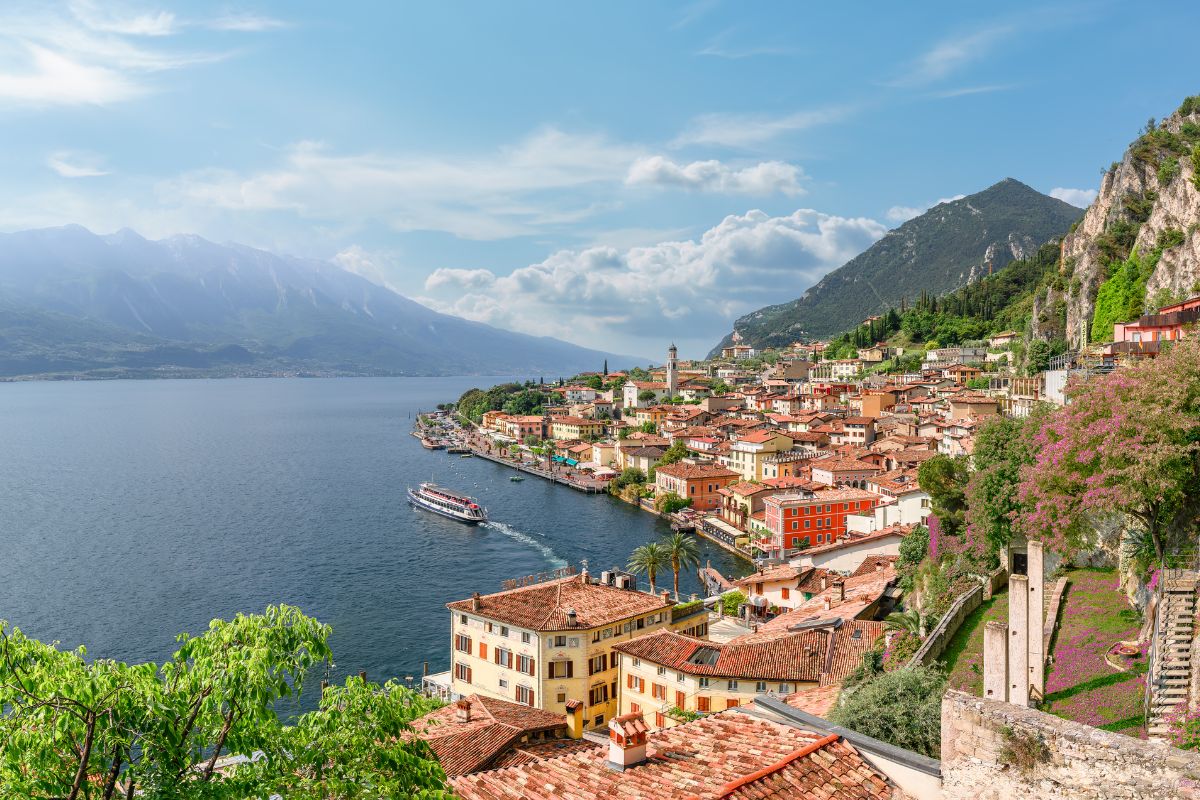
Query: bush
(1170,237)
(913,548)
(670,502)
(1168,170)
(903,708)
(731,600)
(629,476)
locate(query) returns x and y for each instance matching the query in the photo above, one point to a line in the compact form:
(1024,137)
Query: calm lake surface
(133,510)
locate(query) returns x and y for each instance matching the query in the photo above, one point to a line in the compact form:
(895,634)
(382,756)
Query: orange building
(809,519)
(701,482)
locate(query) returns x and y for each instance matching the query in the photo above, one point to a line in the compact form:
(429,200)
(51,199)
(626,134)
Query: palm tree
(908,621)
(651,559)
(683,552)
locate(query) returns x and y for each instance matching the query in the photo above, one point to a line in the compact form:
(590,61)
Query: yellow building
(666,672)
(562,428)
(656,414)
(551,643)
(749,452)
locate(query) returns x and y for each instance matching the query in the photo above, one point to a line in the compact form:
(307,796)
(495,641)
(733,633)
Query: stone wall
(935,644)
(1080,761)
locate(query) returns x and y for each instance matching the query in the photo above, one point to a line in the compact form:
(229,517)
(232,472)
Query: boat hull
(424,503)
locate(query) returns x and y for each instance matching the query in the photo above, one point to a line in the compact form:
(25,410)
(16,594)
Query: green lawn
(963,656)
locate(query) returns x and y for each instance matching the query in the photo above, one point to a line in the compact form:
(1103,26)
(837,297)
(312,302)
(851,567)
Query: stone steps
(1170,675)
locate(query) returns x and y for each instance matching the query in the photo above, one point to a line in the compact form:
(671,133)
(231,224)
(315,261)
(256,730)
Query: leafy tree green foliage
(594,381)
(74,727)
(675,453)
(903,707)
(913,548)
(945,479)
(628,477)
(648,427)
(646,394)
(1002,450)
(512,398)
(651,558)
(669,502)
(1123,296)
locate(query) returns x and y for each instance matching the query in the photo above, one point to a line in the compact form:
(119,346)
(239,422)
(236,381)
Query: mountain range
(74,303)
(944,248)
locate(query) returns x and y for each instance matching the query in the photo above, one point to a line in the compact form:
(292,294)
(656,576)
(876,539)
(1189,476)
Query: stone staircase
(1170,677)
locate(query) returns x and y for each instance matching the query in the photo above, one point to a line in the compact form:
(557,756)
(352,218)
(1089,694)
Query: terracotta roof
(818,701)
(494,725)
(725,756)
(777,657)
(871,564)
(744,488)
(758,437)
(653,452)
(544,606)
(681,470)
(842,465)
(539,751)
(778,572)
(861,591)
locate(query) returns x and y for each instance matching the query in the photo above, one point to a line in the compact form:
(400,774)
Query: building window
(634,708)
(503,683)
(462,619)
(635,684)
(659,692)
(597,664)
(598,721)
(662,670)
(504,631)
(732,702)
(702,704)
(525,665)
(598,695)
(785,688)
(680,700)
(573,641)
(462,672)
(659,719)
(785,592)
(525,695)
(561,669)
(679,677)
(760,686)
(462,643)
(483,651)
(820,536)
(637,662)
(525,637)
(504,657)
(562,697)
(704,683)
(560,641)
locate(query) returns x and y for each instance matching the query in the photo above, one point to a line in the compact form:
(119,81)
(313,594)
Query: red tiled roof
(725,756)
(758,437)
(872,564)
(818,701)
(494,725)
(860,591)
(785,657)
(685,471)
(843,465)
(544,606)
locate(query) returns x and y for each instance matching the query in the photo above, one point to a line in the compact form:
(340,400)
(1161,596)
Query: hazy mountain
(948,246)
(75,302)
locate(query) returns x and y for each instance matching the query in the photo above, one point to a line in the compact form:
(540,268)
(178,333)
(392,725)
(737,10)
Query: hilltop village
(829,476)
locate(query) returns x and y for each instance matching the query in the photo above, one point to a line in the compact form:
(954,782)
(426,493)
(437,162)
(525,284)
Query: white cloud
(70,164)
(970,90)
(161,23)
(491,196)
(951,54)
(905,213)
(246,23)
(605,294)
(767,177)
(51,78)
(744,130)
(370,265)
(1076,197)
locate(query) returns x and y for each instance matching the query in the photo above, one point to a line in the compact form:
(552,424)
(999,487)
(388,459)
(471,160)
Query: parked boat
(517,478)
(448,503)
(467,455)
(433,444)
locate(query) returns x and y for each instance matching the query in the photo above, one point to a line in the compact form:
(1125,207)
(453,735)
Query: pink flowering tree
(1128,443)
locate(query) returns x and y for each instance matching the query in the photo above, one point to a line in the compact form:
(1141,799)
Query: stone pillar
(1037,620)
(995,661)
(1018,640)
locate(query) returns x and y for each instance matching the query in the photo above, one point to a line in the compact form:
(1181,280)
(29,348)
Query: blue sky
(616,174)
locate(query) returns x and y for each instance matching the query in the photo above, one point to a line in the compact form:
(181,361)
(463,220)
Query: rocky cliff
(1148,206)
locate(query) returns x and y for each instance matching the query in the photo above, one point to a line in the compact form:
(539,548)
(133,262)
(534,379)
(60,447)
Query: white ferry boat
(447,503)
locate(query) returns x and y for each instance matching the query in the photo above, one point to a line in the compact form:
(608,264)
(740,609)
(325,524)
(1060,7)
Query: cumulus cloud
(905,213)
(488,196)
(603,294)
(70,164)
(1076,197)
(767,177)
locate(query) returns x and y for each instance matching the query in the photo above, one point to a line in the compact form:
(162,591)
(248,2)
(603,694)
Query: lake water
(133,510)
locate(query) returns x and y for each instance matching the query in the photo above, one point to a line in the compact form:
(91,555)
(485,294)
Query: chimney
(583,574)
(841,591)
(462,710)
(879,566)
(666,595)
(826,601)
(475,602)
(572,617)
(626,741)
(824,583)
(575,719)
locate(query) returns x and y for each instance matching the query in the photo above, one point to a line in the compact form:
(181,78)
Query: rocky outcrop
(1141,198)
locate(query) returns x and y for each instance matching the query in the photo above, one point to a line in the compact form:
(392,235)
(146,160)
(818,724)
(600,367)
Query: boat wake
(526,539)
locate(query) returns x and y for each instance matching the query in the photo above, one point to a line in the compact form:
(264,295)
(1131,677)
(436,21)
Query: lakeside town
(829,477)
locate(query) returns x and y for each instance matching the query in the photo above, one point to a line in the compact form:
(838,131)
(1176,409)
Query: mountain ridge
(120,305)
(946,247)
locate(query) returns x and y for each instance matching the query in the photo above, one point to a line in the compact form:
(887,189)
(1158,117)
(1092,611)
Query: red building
(1144,336)
(808,519)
